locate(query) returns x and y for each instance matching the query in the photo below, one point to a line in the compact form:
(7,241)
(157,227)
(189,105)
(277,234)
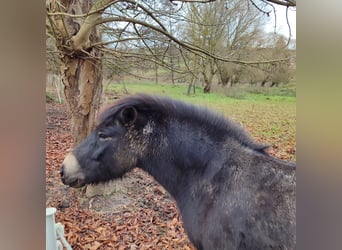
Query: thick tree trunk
(82,79)
(81,64)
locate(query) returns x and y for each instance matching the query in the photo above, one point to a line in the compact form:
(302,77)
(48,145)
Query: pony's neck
(177,168)
(168,175)
(180,156)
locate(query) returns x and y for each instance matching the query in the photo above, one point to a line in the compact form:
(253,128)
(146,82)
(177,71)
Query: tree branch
(288,3)
(258,8)
(143,57)
(81,40)
(288,25)
(98,44)
(192,1)
(188,46)
(105,5)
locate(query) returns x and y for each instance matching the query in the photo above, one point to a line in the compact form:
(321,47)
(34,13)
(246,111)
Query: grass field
(270,119)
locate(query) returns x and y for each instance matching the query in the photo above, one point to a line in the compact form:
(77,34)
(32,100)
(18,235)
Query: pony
(230,192)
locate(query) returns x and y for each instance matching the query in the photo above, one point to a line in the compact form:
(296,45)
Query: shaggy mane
(167,109)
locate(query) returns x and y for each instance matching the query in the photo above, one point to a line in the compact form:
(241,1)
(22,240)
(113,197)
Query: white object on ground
(55,239)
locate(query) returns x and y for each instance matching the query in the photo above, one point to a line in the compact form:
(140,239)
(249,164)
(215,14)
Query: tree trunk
(225,81)
(193,86)
(207,82)
(207,88)
(172,66)
(156,72)
(82,79)
(274,84)
(189,89)
(81,64)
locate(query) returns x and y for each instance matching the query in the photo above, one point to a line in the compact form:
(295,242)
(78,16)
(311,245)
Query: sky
(282,26)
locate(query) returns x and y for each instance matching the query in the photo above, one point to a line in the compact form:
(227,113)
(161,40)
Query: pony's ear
(128,115)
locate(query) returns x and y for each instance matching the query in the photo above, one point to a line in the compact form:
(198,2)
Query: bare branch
(288,25)
(94,10)
(258,8)
(142,57)
(99,44)
(149,13)
(192,1)
(188,46)
(81,40)
(52,28)
(187,65)
(142,39)
(287,3)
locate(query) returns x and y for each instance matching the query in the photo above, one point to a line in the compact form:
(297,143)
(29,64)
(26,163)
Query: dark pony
(230,192)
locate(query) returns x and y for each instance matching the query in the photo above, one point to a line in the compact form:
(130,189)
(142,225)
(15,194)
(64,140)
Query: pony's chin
(77,183)
(104,181)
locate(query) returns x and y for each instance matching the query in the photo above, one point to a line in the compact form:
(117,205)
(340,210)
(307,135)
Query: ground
(142,216)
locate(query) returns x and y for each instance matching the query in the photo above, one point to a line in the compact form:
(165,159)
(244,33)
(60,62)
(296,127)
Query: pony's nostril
(62,171)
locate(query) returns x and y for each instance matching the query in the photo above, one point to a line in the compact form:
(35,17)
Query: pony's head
(114,147)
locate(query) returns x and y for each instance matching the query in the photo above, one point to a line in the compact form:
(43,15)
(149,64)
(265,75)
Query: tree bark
(82,79)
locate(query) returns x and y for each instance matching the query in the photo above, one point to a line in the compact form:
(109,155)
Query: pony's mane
(167,108)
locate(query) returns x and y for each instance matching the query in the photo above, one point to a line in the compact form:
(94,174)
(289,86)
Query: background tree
(222,27)
(206,31)
(272,73)
(282,71)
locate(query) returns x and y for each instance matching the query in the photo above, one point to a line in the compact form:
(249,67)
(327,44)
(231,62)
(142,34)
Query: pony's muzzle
(71,173)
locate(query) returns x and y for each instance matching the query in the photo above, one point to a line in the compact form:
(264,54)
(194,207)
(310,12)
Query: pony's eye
(103,136)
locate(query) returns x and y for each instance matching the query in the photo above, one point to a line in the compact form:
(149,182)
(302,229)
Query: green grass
(179,92)
(270,119)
